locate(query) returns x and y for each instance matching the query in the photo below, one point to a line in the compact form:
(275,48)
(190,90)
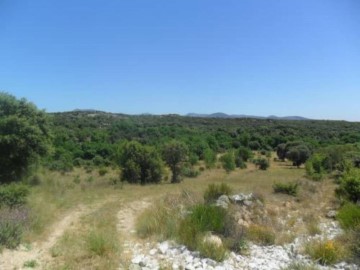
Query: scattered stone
(153,252)
(223,201)
(163,247)
(331,214)
(213,239)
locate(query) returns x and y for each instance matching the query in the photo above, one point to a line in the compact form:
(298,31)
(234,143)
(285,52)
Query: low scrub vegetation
(261,235)
(349,216)
(286,188)
(326,252)
(13,195)
(214,191)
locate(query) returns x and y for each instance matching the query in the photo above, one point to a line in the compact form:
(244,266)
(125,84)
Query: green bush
(13,194)
(12,223)
(349,216)
(289,188)
(208,218)
(190,172)
(349,187)
(262,163)
(103,171)
(10,234)
(214,191)
(100,243)
(228,161)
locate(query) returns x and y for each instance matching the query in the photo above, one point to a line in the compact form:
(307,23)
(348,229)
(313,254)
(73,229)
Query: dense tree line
(142,145)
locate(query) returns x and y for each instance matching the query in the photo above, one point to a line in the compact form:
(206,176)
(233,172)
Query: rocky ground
(169,255)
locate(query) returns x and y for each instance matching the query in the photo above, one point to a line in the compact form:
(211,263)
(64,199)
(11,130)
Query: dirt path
(126,227)
(127,215)
(40,251)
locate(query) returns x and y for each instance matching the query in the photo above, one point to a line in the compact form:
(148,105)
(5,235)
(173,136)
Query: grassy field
(91,239)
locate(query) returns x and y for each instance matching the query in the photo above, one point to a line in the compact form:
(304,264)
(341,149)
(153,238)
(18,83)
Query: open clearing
(64,245)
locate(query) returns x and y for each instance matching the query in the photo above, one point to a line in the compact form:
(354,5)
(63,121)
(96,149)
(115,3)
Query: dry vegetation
(93,241)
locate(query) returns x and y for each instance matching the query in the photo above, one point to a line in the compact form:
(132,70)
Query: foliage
(212,251)
(314,166)
(326,252)
(24,137)
(30,264)
(349,216)
(209,158)
(214,191)
(261,235)
(99,244)
(175,154)
(160,220)
(208,218)
(286,188)
(281,151)
(189,171)
(298,154)
(13,194)
(244,153)
(349,187)
(262,163)
(140,164)
(12,223)
(228,161)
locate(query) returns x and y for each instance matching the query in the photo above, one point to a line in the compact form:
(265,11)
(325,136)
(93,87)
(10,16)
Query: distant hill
(224,115)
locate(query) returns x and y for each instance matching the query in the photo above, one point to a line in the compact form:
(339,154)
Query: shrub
(99,243)
(12,222)
(190,172)
(13,194)
(262,163)
(158,220)
(189,234)
(212,251)
(261,235)
(214,191)
(30,264)
(208,218)
(300,266)
(315,167)
(349,216)
(289,188)
(34,180)
(349,188)
(326,252)
(103,171)
(228,161)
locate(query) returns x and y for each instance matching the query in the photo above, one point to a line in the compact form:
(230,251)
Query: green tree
(228,161)
(349,187)
(24,137)
(140,164)
(298,154)
(281,151)
(175,153)
(262,163)
(209,158)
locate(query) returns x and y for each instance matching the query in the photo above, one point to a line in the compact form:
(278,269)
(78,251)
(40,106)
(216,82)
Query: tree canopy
(24,136)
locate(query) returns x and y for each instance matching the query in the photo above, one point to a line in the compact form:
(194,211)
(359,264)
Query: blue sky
(257,57)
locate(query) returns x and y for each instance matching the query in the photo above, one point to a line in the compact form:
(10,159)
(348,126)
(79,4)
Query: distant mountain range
(212,115)
(224,115)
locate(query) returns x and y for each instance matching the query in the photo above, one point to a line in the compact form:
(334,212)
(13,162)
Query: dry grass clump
(326,252)
(261,235)
(163,218)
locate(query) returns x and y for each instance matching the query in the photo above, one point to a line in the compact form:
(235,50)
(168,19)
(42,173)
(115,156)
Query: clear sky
(257,57)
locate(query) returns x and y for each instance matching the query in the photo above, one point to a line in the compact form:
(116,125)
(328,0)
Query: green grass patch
(349,216)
